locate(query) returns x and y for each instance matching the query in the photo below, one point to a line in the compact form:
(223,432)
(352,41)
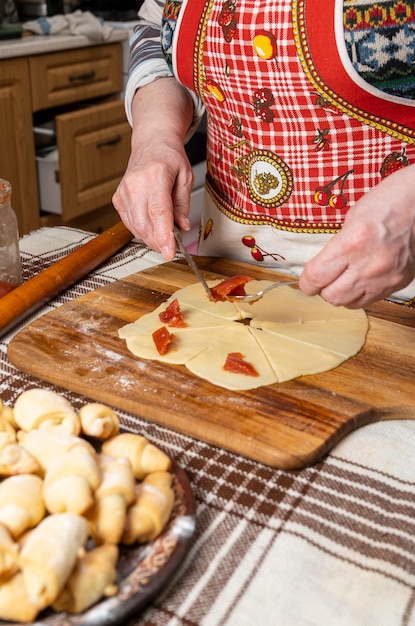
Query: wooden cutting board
(289,425)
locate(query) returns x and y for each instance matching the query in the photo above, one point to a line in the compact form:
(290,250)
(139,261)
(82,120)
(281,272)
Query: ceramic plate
(142,570)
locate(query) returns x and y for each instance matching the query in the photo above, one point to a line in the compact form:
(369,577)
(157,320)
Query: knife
(190,261)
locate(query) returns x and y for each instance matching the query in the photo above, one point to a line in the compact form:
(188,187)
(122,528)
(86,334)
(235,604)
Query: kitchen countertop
(29,45)
(332,544)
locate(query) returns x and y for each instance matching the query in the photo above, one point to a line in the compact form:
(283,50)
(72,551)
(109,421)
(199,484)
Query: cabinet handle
(109,142)
(87,76)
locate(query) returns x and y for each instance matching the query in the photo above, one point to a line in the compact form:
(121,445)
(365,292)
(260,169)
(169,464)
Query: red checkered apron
(295,137)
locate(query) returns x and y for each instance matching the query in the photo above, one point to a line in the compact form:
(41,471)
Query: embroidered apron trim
(380,42)
(304,13)
(198,65)
(169,22)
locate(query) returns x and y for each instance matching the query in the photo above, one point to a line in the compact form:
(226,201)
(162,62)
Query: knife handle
(35,292)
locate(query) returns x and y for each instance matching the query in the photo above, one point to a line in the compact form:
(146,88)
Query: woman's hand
(154,193)
(374,253)
(155,190)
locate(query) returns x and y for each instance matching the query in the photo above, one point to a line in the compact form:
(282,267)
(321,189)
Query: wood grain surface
(288,425)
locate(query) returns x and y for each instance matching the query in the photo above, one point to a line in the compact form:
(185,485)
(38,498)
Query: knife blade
(190,261)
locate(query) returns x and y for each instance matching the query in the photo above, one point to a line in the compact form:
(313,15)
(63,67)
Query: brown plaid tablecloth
(331,545)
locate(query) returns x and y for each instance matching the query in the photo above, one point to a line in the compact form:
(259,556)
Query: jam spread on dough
(233,286)
(236,364)
(162,339)
(173,316)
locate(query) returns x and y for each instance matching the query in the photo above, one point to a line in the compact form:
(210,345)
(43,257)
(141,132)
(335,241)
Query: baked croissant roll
(92,578)
(70,481)
(14,459)
(21,503)
(144,457)
(15,604)
(151,510)
(98,420)
(49,554)
(6,427)
(114,494)
(9,550)
(7,413)
(45,409)
(46,446)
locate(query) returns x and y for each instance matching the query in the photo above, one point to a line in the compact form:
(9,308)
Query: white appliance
(197,156)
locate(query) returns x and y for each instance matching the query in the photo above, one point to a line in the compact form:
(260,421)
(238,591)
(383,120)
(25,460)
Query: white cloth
(77,23)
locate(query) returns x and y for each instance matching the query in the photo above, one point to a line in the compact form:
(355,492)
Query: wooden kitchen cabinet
(94,146)
(17,151)
(79,89)
(75,75)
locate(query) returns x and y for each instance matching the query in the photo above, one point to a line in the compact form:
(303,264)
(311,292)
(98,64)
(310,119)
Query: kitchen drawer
(75,75)
(94,147)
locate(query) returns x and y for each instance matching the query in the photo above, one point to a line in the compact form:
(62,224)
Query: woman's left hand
(374,254)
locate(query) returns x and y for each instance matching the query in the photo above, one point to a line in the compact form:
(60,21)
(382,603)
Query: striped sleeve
(147,62)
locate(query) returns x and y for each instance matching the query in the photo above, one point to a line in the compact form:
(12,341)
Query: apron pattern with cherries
(308,106)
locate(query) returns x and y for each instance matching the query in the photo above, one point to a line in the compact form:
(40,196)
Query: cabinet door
(17,163)
(94,147)
(75,75)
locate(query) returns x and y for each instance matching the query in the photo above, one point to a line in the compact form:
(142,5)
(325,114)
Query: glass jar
(10,267)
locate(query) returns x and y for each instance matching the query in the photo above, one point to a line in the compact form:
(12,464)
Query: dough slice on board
(186,345)
(287,304)
(341,337)
(209,363)
(290,359)
(196,297)
(150,322)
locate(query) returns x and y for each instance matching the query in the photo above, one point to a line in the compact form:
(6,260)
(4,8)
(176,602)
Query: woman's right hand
(154,193)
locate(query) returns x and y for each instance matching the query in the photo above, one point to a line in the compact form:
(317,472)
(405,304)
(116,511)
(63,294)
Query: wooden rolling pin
(31,295)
